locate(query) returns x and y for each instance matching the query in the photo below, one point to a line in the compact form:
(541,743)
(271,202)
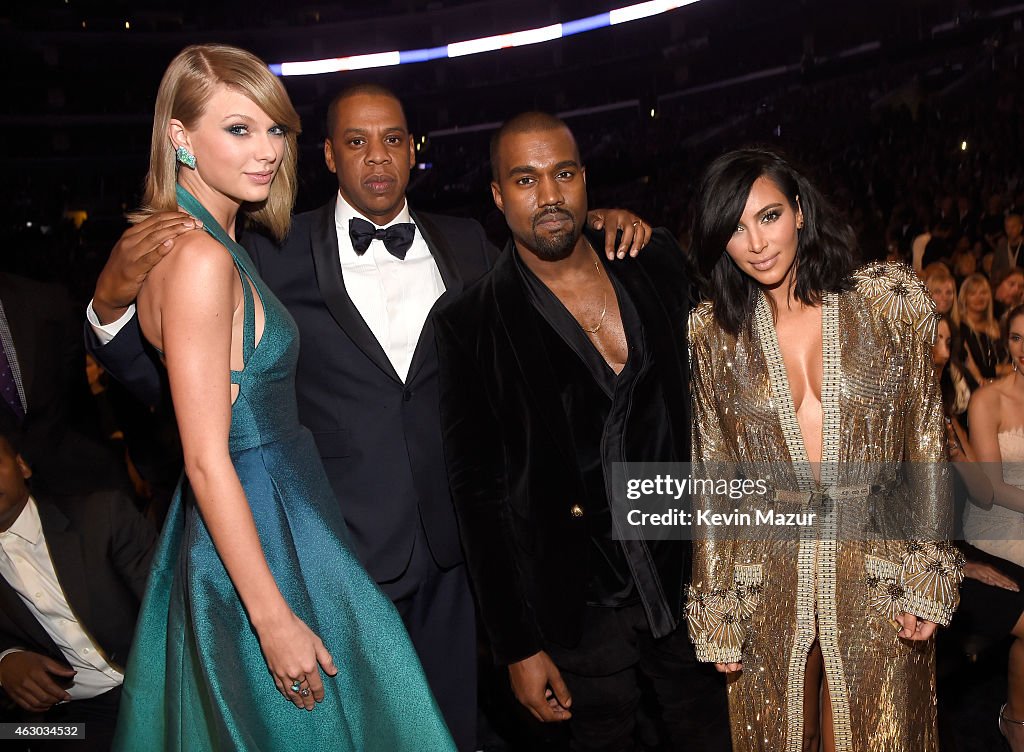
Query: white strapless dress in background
(1000,531)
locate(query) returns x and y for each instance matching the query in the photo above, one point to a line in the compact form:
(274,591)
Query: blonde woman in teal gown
(259,630)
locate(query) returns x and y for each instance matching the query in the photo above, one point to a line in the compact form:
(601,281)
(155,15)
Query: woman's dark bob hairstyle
(826,249)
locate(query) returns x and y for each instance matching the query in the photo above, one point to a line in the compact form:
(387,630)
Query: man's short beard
(555,247)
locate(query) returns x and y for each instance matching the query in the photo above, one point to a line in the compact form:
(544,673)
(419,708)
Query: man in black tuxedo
(72,573)
(361,276)
(554,367)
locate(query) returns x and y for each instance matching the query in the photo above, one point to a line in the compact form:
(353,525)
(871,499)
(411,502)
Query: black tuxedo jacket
(379,438)
(101,549)
(512,465)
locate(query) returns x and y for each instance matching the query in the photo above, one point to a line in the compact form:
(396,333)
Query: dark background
(874,97)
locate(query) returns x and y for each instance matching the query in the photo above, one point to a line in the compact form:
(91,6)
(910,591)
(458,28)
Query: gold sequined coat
(765,600)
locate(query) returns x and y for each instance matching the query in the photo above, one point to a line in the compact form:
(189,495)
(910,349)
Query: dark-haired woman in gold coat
(816,378)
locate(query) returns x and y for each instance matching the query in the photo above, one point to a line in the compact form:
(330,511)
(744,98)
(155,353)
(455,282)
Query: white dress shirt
(26,565)
(393,296)
(106,332)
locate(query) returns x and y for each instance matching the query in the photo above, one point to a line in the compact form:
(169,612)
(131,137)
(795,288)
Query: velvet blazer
(514,474)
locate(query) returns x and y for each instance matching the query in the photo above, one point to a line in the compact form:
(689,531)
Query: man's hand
(729,668)
(139,249)
(635,232)
(538,686)
(915,628)
(28,678)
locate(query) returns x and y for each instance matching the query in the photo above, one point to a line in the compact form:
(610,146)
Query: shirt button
(38,596)
(86,651)
(576,510)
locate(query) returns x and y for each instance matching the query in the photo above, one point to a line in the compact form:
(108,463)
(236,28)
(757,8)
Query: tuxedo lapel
(326,260)
(65,545)
(441,250)
(521,323)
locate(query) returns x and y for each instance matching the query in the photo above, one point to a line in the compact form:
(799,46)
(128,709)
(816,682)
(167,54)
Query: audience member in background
(1008,291)
(981,346)
(1007,253)
(43,385)
(965,259)
(967,218)
(956,394)
(996,416)
(991,601)
(942,287)
(917,248)
(73,572)
(991,223)
(940,246)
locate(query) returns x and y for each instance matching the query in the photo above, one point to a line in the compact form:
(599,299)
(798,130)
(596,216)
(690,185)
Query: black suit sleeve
(132,542)
(479,479)
(127,359)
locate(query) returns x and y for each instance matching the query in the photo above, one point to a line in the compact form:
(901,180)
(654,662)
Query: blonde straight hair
(973,282)
(187,86)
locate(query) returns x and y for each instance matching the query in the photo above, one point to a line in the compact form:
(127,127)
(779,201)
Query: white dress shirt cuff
(106,332)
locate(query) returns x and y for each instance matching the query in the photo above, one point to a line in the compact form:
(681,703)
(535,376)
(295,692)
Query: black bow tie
(397,238)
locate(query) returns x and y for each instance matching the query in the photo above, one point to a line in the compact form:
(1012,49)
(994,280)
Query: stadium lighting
(484,44)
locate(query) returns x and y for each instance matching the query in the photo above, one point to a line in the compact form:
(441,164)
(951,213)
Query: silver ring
(296,685)
(636,224)
(304,692)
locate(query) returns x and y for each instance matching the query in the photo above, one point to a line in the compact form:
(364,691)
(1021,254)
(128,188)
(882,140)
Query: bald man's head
(526,122)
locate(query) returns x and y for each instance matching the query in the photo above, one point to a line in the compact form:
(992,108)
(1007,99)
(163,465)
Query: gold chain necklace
(604,307)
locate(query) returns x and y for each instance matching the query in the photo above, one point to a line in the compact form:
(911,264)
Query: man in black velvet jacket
(553,367)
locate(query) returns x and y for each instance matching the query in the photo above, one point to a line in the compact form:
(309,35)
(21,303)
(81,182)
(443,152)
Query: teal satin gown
(196,678)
